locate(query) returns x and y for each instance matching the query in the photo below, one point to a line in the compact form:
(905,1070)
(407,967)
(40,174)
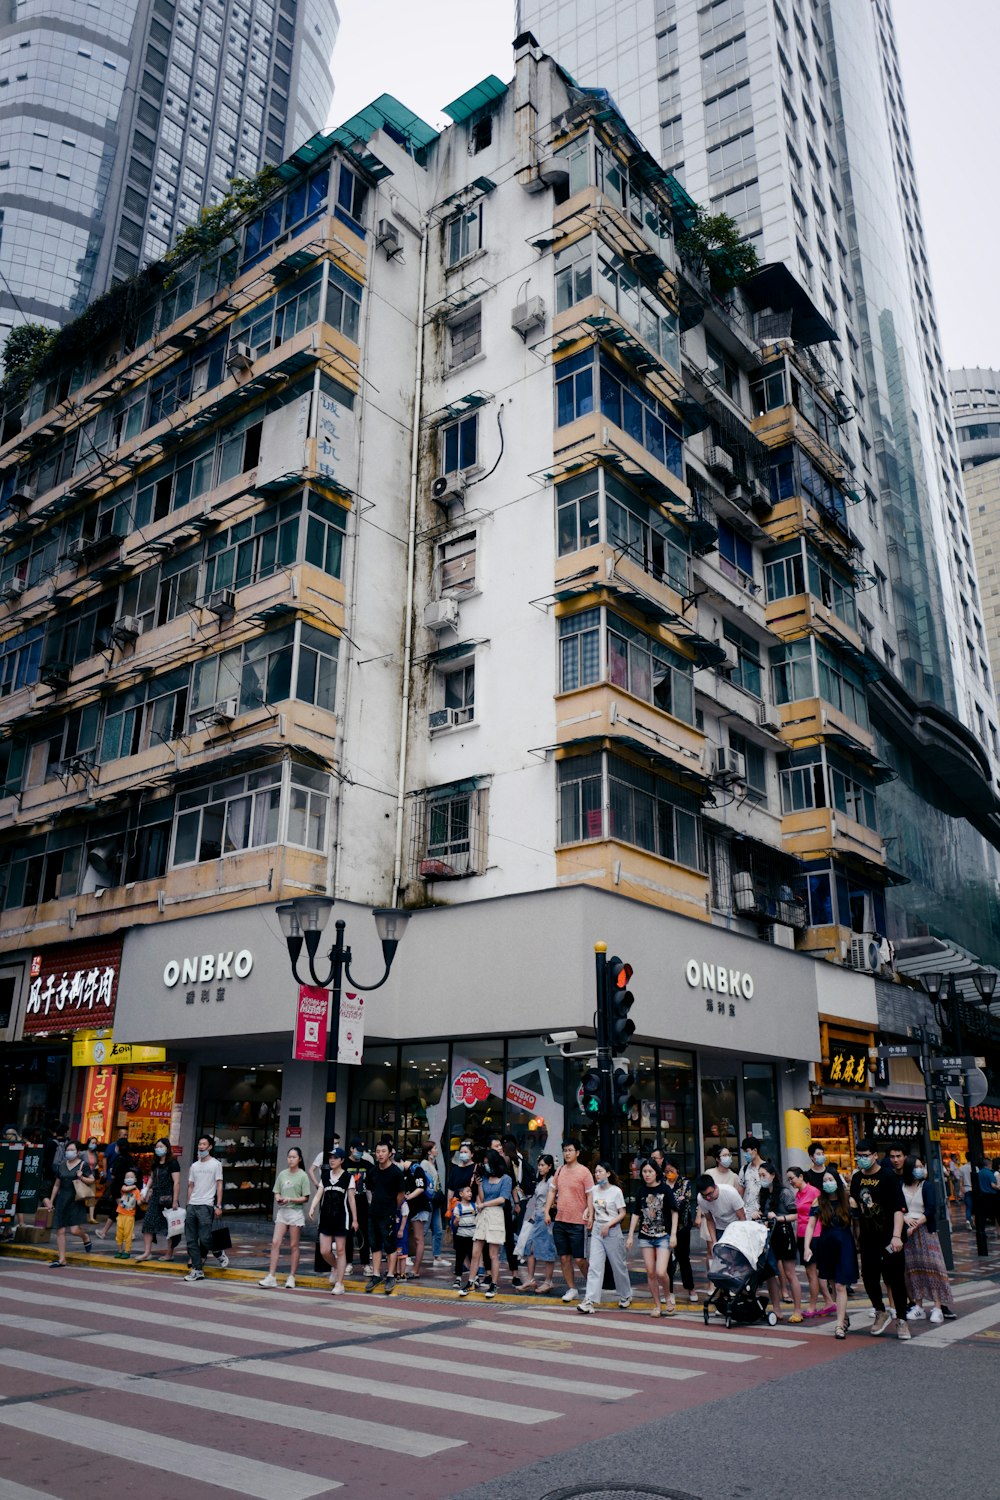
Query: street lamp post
(302,923)
(944,992)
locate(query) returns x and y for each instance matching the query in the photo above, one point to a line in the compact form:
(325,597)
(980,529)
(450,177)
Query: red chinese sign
(523,1098)
(97,1115)
(73,986)
(470,1088)
(311,1022)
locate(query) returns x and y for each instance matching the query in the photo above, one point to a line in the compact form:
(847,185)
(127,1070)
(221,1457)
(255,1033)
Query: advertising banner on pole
(311,1024)
(351,1037)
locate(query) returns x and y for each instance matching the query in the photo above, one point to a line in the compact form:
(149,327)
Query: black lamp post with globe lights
(302,923)
(947,999)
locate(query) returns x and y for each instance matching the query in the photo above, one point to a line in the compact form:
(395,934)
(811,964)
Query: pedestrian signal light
(590,1089)
(621,1084)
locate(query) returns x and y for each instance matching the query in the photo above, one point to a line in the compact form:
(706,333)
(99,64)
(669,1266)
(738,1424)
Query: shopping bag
(221,1240)
(84,1191)
(175,1221)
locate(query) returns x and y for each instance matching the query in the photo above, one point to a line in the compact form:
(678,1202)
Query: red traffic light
(622,977)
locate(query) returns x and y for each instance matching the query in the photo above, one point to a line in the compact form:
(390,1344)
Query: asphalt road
(132,1382)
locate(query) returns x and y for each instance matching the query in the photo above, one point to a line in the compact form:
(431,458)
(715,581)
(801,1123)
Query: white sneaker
(571,1295)
(916,1313)
(195,1276)
(584,1307)
(223,1260)
(268,1280)
(337,1289)
(349,1270)
(625,1303)
(937,1316)
(289,1283)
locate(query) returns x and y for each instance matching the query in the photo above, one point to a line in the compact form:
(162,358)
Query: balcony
(799,613)
(624,869)
(820,832)
(810,720)
(610,715)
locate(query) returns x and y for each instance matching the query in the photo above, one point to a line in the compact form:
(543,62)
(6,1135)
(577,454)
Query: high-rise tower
(119,123)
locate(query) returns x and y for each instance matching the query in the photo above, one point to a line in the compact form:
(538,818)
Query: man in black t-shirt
(878,1206)
(384,1182)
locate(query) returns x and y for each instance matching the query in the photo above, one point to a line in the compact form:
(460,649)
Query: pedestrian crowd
(386,1215)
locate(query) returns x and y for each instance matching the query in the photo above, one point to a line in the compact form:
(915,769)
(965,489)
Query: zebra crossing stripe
(941,1335)
(645,1368)
(189,1325)
(172,1456)
(44,1325)
(327,1424)
(466,1371)
(613,1345)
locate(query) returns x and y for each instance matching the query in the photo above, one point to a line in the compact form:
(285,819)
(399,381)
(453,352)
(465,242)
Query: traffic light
(590,1088)
(620,1000)
(621,1086)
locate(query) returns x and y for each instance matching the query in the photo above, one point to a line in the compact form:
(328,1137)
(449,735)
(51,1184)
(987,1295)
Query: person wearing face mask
(817,1165)
(925,1270)
(778,1210)
(70,1209)
(837,1262)
(680,1256)
(128,1201)
(107,1208)
(204,1206)
(879,1210)
(463,1170)
(722,1173)
(750,1175)
(164,1193)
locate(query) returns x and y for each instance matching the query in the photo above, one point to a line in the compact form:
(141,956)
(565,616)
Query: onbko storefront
(456,1041)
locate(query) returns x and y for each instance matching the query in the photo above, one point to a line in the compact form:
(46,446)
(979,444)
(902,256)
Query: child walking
(128,1202)
(463,1227)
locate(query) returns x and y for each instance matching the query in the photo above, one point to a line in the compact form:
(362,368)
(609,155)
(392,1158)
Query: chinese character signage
(311,1024)
(848,1065)
(98,1114)
(351,1038)
(147,1100)
(73,986)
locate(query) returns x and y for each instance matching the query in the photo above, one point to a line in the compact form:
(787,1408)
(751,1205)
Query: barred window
(448,832)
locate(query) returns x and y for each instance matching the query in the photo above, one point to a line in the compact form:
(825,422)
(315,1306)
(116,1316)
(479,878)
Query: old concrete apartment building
(445,538)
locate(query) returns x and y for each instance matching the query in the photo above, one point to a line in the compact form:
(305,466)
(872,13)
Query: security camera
(560,1038)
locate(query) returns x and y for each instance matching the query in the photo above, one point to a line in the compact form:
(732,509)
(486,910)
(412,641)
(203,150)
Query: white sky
(429,53)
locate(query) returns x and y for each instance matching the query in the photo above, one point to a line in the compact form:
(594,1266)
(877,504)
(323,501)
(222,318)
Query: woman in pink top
(805,1197)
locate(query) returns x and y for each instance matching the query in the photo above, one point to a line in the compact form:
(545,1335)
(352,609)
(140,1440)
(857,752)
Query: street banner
(311,1023)
(351,1038)
(10,1175)
(31,1189)
(97,1116)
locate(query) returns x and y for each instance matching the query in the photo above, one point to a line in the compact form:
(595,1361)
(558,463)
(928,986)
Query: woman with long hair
(539,1247)
(338,1211)
(925,1270)
(291,1191)
(679,1263)
(70,1206)
(654,1212)
(603,1218)
(164,1192)
(830,1227)
(494,1189)
(777,1209)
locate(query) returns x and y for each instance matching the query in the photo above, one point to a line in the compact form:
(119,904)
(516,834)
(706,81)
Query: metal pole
(935,1161)
(973,1135)
(603,1051)
(339,956)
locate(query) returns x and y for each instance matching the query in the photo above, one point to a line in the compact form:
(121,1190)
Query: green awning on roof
(484,93)
(385,112)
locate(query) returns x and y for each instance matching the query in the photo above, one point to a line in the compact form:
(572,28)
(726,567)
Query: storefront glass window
(719,1117)
(534,1097)
(373,1095)
(760,1100)
(240,1108)
(637,1133)
(475,1099)
(423,1080)
(678,1107)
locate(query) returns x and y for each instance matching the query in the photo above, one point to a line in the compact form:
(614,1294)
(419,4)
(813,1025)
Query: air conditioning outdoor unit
(13,589)
(730,764)
(222,603)
(718,461)
(732,656)
(448,718)
(441,614)
(449,489)
(528,316)
(389,238)
(77,551)
(126,628)
(23,494)
(240,356)
(865,953)
(223,712)
(768,716)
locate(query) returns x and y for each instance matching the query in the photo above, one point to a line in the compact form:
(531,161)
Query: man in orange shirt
(568,1194)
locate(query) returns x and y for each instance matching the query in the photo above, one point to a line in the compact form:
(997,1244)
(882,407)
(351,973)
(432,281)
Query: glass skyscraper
(119,122)
(790,118)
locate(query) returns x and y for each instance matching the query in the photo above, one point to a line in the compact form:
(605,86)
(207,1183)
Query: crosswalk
(292,1397)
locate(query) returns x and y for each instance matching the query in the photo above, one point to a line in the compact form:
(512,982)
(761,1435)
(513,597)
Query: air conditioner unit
(240,356)
(23,494)
(223,712)
(126,628)
(729,764)
(77,551)
(441,614)
(718,461)
(768,716)
(527,316)
(448,718)
(13,589)
(865,953)
(389,238)
(222,603)
(449,489)
(781,935)
(744,895)
(731,654)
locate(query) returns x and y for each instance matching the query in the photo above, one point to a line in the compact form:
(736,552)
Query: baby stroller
(736,1270)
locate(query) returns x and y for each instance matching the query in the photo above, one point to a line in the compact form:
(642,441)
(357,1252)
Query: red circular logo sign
(470,1088)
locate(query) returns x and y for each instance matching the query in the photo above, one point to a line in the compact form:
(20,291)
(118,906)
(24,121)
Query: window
(226,817)
(448,831)
(463,234)
(735,554)
(343,303)
(352,195)
(723,369)
(633,661)
(301,204)
(756,762)
(792,671)
(578,512)
(20,660)
(308,807)
(733,156)
(459,447)
(151,713)
(725,60)
(784,575)
(574,387)
(727,110)
(643,534)
(642,809)
(574,278)
(456,566)
(465,337)
(579,650)
(747,672)
(456,692)
(880,583)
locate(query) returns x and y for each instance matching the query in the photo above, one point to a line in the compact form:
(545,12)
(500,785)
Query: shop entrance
(241,1108)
